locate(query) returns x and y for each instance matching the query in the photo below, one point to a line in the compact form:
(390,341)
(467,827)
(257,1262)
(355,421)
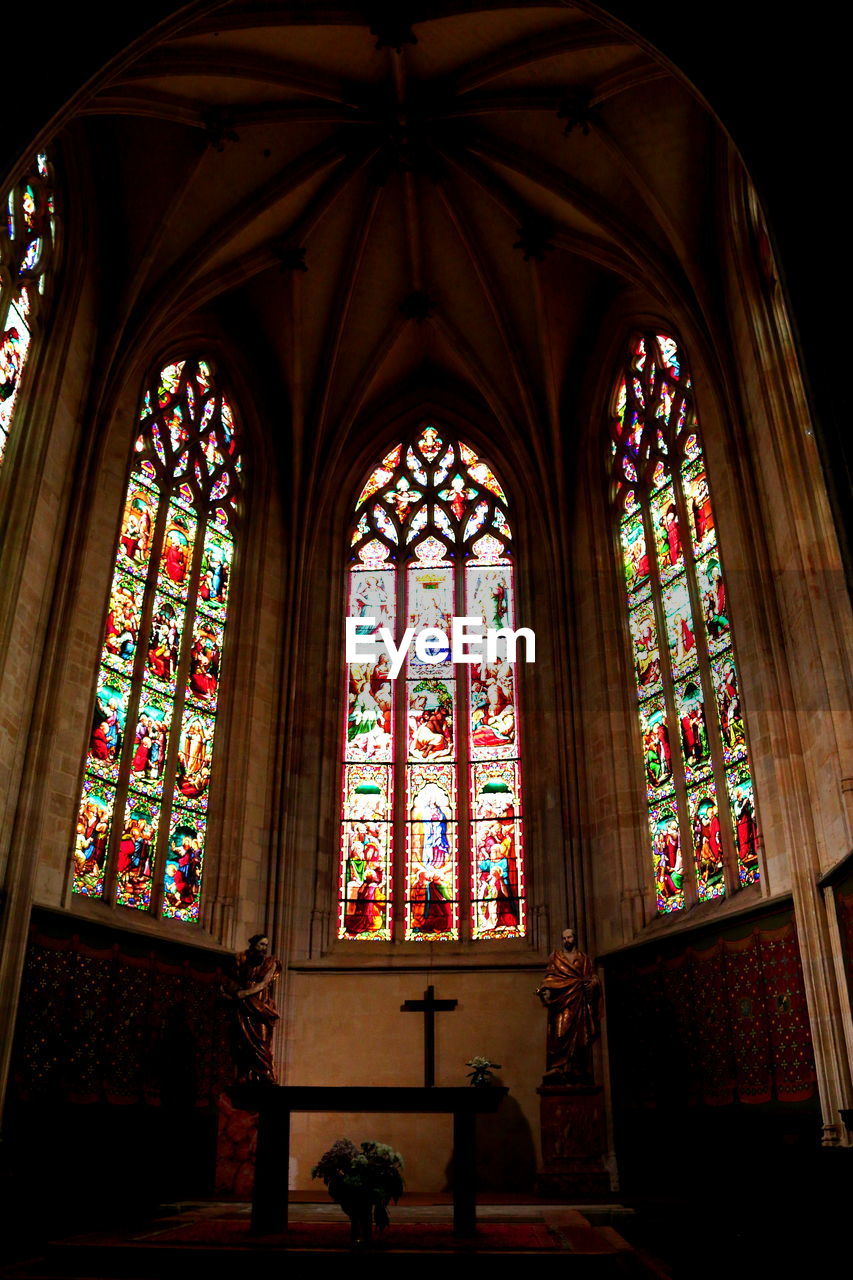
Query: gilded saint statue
(571,993)
(255,971)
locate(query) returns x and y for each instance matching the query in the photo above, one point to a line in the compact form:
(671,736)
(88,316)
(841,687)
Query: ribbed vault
(369,190)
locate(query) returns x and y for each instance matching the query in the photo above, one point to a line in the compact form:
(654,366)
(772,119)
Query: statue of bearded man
(571,993)
(255,972)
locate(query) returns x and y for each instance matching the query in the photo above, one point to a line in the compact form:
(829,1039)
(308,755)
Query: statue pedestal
(574,1140)
(235,1151)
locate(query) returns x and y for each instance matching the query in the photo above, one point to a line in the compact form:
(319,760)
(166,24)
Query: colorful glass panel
(432,872)
(135,863)
(497,866)
(431,530)
(729,708)
(693,728)
(670,549)
(712,593)
(205,662)
(381,475)
(493,714)
(124,617)
(634,554)
(195,755)
(432,879)
(164,644)
(176,556)
(92,837)
(155,714)
(666,851)
(108,725)
(497,880)
(647,667)
(707,841)
(150,740)
(27,236)
(184,854)
(699,511)
(431,716)
(366,846)
(673,576)
(657,749)
(742,801)
(370,711)
(137,528)
(680,631)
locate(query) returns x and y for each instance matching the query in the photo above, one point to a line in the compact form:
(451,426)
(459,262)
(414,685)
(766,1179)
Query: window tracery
(142,822)
(432,760)
(702,821)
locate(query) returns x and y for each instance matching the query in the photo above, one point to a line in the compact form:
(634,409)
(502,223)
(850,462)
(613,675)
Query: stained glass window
(27,235)
(703,830)
(431,837)
(143,814)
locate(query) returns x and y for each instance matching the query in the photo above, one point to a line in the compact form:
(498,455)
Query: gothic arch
(85,579)
(500,266)
(321,570)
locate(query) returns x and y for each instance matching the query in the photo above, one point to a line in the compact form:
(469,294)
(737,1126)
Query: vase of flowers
(481,1075)
(362,1180)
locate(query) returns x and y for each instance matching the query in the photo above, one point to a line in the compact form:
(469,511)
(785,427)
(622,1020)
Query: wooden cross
(429,1007)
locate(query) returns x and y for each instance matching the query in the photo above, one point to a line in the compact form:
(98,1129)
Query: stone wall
(347,1029)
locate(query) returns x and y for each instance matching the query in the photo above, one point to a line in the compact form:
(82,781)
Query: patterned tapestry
(97,1024)
(714,1026)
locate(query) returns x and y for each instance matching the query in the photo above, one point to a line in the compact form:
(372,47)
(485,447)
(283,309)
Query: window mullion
(136,690)
(174,740)
(708,693)
(148,654)
(688,862)
(440,495)
(656,445)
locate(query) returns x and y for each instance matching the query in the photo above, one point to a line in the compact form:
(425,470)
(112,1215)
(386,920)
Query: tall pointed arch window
(143,812)
(702,822)
(431,830)
(27,236)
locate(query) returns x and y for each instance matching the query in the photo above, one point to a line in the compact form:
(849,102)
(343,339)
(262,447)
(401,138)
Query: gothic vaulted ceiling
(365,192)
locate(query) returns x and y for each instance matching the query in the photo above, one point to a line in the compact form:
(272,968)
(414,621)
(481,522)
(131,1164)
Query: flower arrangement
(362,1181)
(482,1073)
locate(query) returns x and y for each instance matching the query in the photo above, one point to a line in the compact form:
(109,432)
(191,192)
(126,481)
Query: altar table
(274,1103)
